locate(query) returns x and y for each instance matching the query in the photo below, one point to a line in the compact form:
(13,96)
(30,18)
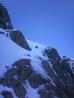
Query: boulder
(52,54)
(19,39)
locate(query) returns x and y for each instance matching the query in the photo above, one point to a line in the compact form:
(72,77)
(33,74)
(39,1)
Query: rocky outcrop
(44,74)
(19,39)
(60,85)
(52,54)
(15,35)
(5,21)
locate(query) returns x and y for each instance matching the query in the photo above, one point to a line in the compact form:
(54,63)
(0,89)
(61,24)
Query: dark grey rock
(36,80)
(36,47)
(2,33)
(23,69)
(16,85)
(44,93)
(52,54)
(5,21)
(19,39)
(7,94)
(18,88)
(49,69)
(63,79)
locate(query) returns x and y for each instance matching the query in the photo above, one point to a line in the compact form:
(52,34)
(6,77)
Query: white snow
(36,64)
(9,53)
(72,65)
(36,51)
(14,29)
(4,88)
(31,93)
(2,30)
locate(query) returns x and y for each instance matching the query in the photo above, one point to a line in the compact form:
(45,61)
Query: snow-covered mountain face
(31,70)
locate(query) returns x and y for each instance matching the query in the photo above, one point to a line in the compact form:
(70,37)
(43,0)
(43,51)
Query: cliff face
(31,70)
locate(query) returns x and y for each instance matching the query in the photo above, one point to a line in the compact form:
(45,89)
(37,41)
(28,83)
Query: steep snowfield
(11,52)
(36,48)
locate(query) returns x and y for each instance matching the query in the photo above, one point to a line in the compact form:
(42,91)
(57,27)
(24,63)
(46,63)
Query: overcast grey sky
(49,22)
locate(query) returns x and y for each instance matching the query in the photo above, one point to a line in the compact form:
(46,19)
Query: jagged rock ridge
(31,70)
(5,21)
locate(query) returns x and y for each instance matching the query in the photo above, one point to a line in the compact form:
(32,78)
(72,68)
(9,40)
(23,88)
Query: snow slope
(11,52)
(29,69)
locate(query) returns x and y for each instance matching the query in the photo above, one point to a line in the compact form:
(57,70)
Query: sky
(50,22)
